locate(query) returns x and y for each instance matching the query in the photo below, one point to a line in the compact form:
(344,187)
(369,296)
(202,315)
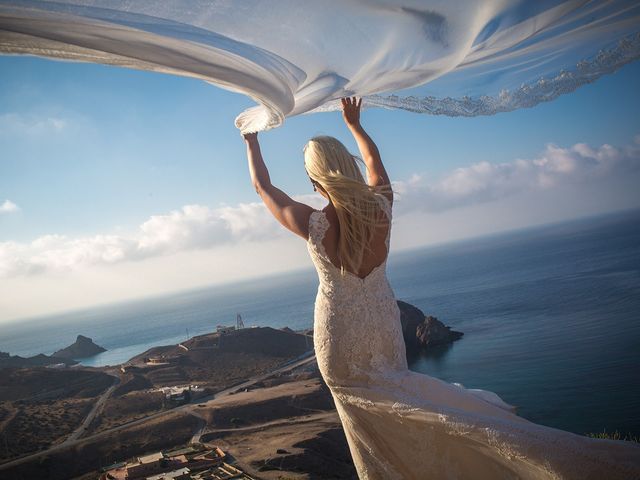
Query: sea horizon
(278,275)
(550,316)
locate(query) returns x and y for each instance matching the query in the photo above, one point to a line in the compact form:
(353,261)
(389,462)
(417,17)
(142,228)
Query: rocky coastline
(421,331)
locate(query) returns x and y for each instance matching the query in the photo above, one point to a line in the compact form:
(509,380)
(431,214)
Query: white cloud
(567,175)
(484,182)
(193,227)
(17,123)
(8,207)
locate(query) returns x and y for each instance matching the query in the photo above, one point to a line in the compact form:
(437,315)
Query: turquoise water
(551,318)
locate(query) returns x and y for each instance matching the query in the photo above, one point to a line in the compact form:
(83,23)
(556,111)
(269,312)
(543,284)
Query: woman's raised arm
(291,214)
(376,173)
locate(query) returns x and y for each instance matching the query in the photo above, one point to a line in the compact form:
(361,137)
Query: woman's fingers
(350,103)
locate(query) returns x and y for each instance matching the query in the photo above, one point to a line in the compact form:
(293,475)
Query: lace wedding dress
(404,425)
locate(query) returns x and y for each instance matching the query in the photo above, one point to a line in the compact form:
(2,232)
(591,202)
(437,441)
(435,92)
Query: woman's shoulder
(329,212)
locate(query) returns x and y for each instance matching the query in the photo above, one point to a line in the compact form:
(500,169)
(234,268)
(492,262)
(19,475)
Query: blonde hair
(329,164)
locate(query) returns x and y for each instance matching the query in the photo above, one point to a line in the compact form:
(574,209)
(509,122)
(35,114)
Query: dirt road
(97,408)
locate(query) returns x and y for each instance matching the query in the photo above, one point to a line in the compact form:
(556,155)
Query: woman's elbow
(259,187)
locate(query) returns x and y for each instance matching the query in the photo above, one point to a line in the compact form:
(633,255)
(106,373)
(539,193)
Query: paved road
(184,408)
(275,423)
(97,408)
(200,431)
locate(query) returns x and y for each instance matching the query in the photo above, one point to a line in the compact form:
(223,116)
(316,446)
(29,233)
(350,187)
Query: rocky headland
(83,347)
(422,331)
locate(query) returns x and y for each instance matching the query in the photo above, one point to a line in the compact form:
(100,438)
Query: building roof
(113,466)
(181,451)
(154,457)
(170,475)
(179,459)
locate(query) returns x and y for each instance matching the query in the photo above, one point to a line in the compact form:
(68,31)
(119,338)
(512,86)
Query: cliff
(419,330)
(82,348)
(422,331)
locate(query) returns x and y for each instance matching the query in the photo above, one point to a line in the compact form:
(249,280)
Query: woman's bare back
(371,259)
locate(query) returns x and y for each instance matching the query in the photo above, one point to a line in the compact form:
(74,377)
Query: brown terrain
(205,360)
(83,459)
(120,410)
(259,396)
(39,407)
(217,361)
(290,430)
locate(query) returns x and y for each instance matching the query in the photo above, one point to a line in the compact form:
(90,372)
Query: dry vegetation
(36,425)
(227,368)
(170,431)
(317,451)
(126,408)
(45,383)
(219,362)
(270,404)
(6,411)
(131,383)
(243,354)
(289,430)
(39,407)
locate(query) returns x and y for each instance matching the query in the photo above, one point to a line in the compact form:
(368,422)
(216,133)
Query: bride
(401,424)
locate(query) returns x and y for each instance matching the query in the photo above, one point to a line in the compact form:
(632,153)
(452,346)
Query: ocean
(550,315)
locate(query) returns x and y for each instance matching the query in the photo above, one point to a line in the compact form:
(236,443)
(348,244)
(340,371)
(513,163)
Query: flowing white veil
(296,56)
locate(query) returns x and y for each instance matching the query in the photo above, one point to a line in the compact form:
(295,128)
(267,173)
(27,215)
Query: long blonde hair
(329,164)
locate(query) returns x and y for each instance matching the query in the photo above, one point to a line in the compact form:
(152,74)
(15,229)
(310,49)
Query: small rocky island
(82,348)
(421,331)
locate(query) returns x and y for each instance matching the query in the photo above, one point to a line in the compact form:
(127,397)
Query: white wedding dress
(404,425)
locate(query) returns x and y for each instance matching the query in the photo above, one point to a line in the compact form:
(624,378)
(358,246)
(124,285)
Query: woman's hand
(351,111)
(250,137)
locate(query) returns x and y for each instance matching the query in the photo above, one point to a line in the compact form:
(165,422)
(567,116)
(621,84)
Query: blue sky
(138,143)
(89,150)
